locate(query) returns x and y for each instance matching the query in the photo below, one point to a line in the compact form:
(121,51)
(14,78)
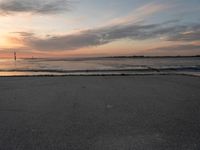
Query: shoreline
(105,57)
(106,74)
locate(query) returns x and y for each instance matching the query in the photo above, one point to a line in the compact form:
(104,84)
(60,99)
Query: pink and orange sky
(82,28)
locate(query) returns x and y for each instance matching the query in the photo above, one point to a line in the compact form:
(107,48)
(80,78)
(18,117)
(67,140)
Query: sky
(87,28)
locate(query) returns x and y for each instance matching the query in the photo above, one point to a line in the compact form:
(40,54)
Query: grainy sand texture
(100,113)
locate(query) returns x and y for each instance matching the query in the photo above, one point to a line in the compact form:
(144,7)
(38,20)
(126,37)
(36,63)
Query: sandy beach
(155,112)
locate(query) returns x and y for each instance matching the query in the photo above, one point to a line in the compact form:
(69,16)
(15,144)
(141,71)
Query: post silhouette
(15,56)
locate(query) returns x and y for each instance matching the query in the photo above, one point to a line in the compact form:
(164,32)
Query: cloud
(140,13)
(104,35)
(24,34)
(183,47)
(87,38)
(33,6)
(188,35)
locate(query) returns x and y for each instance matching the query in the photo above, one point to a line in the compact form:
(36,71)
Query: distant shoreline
(153,56)
(103,57)
(80,58)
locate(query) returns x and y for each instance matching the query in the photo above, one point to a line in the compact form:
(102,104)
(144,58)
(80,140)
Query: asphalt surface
(100,113)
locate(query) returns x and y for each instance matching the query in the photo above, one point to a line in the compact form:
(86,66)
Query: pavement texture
(100,113)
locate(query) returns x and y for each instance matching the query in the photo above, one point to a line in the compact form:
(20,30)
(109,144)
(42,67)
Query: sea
(100,66)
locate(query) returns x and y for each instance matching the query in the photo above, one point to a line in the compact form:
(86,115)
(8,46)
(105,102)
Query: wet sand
(100,113)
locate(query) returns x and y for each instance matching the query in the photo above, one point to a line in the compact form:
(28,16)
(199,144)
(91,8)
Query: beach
(154,112)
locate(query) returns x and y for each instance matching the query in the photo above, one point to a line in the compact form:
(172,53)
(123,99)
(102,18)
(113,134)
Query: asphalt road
(100,113)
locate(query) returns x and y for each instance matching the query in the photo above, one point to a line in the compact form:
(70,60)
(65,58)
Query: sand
(100,113)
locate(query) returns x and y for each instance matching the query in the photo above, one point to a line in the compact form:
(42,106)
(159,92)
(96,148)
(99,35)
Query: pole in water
(15,56)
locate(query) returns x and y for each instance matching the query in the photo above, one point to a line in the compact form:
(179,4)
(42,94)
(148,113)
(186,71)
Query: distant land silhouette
(152,56)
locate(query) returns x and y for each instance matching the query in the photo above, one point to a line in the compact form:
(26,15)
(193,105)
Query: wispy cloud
(178,47)
(33,6)
(140,13)
(104,35)
(190,34)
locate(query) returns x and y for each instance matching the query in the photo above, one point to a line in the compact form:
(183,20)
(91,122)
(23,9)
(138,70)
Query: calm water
(190,65)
